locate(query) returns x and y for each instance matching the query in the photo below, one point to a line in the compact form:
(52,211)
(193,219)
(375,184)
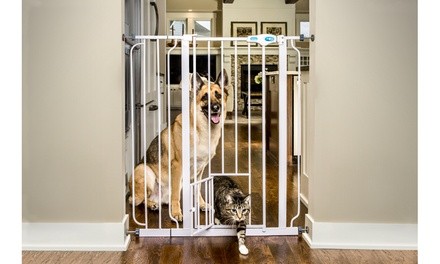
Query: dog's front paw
(152,205)
(205,207)
(177,214)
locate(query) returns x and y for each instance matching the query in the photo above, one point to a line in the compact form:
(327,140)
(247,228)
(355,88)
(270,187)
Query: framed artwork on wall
(243,29)
(274,28)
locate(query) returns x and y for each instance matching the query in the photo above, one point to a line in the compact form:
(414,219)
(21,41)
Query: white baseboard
(76,236)
(360,235)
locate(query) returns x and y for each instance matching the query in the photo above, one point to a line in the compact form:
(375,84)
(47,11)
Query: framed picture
(274,28)
(243,29)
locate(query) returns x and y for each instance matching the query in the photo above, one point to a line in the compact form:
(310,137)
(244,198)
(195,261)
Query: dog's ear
(224,81)
(199,81)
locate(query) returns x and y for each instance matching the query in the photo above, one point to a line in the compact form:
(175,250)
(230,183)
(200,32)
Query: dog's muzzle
(215,113)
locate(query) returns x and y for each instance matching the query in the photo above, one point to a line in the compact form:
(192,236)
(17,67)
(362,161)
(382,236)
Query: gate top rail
(300,37)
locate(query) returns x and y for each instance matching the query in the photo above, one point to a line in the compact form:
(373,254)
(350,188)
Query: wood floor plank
(171,254)
(223,250)
(259,252)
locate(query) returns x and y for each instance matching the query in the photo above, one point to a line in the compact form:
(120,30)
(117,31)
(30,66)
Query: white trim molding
(304,200)
(384,236)
(76,236)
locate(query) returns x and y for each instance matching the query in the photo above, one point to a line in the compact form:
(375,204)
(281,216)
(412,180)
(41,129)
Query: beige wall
(73,130)
(258,11)
(362,137)
(195,5)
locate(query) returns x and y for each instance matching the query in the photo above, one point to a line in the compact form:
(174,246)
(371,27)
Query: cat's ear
(247,199)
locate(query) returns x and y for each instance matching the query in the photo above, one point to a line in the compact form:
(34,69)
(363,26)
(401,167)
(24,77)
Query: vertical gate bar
(212,202)
(299,141)
(209,126)
(195,193)
(249,128)
(282,132)
(209,131)
(169,132)
(193,205)
(145,68)
(209,109)
(223,127)
(197,211)
(194,91)
(133,109)
(159,120)
(208,208)
(263,59)
(207,201)
(185,134)
(236,83)
(209,115)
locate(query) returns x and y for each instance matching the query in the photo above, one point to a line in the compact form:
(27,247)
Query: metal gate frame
(190,206)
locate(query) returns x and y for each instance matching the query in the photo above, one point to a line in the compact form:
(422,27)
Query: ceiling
(302,6)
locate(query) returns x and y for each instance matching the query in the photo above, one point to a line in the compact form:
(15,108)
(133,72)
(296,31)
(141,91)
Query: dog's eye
(218,95)
(205,97)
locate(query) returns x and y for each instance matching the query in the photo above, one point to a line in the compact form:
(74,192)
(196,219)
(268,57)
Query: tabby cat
(232,207)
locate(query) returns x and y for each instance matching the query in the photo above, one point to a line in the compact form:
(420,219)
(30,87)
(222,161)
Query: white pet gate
(231,147)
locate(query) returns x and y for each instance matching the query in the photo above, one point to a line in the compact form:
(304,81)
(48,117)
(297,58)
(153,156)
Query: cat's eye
(245,211)
(233,210)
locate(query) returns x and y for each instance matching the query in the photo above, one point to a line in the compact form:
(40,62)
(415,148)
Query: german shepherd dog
(200,112)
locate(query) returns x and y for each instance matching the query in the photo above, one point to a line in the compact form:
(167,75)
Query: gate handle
(153,108)
(154,5)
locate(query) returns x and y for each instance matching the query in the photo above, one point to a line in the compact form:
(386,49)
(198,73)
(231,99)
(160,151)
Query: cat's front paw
(243,250)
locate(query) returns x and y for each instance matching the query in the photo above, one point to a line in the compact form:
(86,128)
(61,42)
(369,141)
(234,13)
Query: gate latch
(263,39)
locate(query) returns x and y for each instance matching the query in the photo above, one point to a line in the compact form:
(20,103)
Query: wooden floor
(223,250)
(283,249)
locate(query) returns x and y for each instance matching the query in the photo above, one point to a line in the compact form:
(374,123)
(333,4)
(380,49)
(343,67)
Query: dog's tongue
(215,118)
